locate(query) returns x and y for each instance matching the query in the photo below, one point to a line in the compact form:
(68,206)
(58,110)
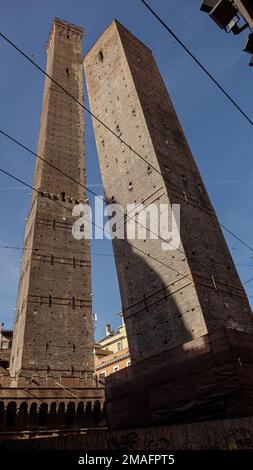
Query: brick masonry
(230,434)
(53,333)
(193,290)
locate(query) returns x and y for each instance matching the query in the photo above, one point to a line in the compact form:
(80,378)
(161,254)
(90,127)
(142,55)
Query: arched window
(1,414)
(96,414)
(11,414)
(88,412)
(80,413)
(33,415)
(52,416)
(70,414)
(61,414)
(22,416)
(43,414)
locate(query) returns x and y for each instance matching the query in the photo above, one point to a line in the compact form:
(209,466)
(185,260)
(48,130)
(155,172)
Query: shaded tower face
(53,329)
(194,289)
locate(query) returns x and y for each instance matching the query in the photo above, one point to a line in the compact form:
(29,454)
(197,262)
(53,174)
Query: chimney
(108,329)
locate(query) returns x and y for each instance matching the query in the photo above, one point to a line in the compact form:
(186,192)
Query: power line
(183,276)
(198,62)
(96,225)
(245,265)
(17,179)
(72,179)
(113,133)
(12,188)
(248,295)
(26,148)
(78,182)
(93,193)
(53,200)
(119,138)
(35,250)
(112,255)
(246,282)
(8,136)
(85,187)
(176,28)
(105,255)
(236,237)
(81,104)
(122,141)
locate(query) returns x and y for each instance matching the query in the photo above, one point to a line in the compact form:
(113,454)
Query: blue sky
(220,138)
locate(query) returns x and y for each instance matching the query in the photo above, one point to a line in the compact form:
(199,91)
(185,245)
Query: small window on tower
(101,56)
(67,71)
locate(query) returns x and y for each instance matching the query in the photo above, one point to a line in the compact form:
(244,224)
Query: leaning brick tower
(188,321)
(53,333)
(169,297)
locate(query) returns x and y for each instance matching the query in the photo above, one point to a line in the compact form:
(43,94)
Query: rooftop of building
(6,333)
(111,333)
(113,357)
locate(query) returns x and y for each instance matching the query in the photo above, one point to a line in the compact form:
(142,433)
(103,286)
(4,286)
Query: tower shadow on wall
(154,297)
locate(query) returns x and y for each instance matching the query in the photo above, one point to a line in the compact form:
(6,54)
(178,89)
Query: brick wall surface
(53,334)
(187,292)
(230,434)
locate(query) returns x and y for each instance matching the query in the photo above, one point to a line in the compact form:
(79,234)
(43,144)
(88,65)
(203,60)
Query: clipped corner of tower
(100,40)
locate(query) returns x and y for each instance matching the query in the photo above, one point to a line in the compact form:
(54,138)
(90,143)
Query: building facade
(5,349)
(111,352)
(169,296)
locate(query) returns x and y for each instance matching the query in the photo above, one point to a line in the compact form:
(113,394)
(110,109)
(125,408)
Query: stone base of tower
(51,381)
(220,434)
(44,404)
(205,379)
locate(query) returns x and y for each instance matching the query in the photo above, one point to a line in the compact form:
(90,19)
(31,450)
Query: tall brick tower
(193,290)
(53,333)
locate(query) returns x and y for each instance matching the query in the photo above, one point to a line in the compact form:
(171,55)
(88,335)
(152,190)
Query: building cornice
(112,361)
